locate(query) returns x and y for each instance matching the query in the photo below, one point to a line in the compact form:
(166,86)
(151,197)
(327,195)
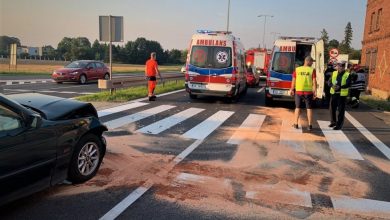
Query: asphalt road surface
(178,158)
(44,85)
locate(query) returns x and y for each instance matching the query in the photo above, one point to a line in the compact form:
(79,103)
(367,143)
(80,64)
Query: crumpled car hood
(52,107)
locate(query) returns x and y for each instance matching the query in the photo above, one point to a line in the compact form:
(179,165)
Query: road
(177,158)
(43,84)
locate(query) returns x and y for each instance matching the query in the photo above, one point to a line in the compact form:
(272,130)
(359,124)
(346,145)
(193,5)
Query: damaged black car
(45,140)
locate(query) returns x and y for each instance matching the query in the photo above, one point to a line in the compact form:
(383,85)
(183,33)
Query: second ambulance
(289,53)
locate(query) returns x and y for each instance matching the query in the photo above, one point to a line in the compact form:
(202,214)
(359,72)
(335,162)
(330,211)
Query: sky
(172,22)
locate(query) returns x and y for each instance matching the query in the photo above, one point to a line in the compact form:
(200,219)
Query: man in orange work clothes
(151,70)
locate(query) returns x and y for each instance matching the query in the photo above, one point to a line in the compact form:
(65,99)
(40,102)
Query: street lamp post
(228,16)
(265,21)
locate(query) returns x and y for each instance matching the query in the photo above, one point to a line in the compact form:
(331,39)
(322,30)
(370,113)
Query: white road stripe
(291,137)
(202,130)
(120,108)
(374,140)
(136,194)
(169,122)
(248,129)
(187,151)
(124,204)
(355,205)
(137,116)
(291,197)
(260,90)
(8,83)
(339,143)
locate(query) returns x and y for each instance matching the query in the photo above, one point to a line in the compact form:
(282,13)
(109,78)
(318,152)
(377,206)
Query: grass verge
(376,103)
(123,95)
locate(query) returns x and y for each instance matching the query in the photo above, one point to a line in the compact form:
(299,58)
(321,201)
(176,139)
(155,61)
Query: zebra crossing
(163,118)
(339,143)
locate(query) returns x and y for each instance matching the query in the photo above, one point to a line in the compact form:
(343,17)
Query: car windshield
(211,57)
(76,64)
(283,62)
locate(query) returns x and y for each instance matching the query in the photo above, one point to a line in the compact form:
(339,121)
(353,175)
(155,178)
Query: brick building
(376,47)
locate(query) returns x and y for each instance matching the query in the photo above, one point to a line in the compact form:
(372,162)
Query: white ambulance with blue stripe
(287,54)
(215,65)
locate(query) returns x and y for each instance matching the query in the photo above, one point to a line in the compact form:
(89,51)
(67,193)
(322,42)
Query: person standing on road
(339,85)
(151,70)
(358,85)
(304,86)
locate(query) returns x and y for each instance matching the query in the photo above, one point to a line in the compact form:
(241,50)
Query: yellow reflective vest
(343,92)
(304,79)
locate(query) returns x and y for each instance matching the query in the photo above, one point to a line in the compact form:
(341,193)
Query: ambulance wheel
(192,96)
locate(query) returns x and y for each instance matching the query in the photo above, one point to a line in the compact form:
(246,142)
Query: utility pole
(228,17)
(265,21)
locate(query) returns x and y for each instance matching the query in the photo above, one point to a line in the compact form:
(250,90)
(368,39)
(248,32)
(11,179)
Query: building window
(368,58)
(373,59)
(378,20)
(372,22)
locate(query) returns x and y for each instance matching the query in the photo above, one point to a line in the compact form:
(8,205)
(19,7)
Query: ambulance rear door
(317,53)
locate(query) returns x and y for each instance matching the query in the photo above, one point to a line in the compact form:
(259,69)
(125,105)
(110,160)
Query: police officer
(339,85)
(304,86)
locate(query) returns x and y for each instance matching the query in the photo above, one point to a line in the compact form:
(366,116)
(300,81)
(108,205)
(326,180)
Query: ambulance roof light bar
(213,32)
(297,38)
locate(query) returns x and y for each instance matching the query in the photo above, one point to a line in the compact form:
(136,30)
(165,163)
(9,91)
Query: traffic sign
(334,53)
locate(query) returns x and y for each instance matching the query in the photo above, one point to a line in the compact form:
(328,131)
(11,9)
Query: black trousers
(337,103)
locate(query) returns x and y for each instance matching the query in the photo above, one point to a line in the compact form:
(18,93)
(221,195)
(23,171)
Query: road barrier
(123,82)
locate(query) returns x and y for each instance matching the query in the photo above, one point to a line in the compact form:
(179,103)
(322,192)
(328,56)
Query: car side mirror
(34,121)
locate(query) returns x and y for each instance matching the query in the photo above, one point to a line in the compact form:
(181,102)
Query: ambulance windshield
(283,62)
(211,57)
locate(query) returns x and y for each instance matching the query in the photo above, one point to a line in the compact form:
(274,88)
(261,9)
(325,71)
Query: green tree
(64,48)
(183,58)
(333,44)
(325,38)
(5,42)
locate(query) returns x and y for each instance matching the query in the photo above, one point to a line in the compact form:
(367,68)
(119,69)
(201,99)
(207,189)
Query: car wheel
(86,159)
(192,96)
(106,76)
(83,79)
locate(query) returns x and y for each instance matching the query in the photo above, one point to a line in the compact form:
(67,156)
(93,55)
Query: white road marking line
(261,90)
(374,140)
(119,122)
(291,197)
(205,128)
(161,95)
(339,143)
(8,83)
(120,108)
(248,129)
(187,151)
(191,178)
(356,205)
(124,204)
(169,122)
(136,194)
(291,137)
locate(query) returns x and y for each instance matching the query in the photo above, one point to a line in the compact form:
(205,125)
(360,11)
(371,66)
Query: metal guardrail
(123,82)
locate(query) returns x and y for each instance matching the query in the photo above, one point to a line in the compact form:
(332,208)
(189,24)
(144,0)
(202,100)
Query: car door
(27,155)
(99,70)
(91,71)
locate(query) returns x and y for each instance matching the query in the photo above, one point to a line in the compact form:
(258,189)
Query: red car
(81,71)
(252,79)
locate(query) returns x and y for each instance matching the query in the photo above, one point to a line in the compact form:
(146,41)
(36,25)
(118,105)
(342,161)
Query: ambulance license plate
(198,86)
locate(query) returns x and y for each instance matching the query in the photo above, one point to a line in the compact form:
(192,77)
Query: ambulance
(215,65)
(287,54)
